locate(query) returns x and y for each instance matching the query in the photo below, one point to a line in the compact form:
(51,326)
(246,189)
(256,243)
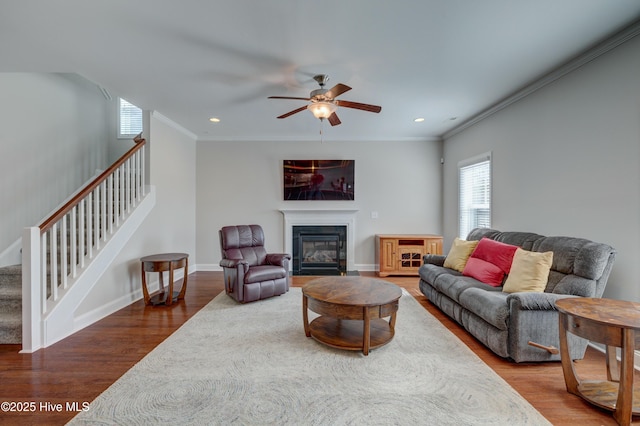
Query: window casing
(129,119)
(474,191)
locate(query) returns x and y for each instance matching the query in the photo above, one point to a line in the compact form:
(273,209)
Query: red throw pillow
(483,271)
(490,261)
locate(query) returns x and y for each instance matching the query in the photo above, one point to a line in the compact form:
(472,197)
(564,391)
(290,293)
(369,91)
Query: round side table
(615,323)
(161,263)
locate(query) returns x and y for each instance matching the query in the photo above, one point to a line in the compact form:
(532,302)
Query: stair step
(11,270)
(11,281)
(8,305)
(10,329)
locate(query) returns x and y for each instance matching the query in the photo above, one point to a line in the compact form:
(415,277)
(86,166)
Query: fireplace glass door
(319,250)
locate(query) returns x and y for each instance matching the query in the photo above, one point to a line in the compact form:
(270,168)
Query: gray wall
(170,227)
(54,134)
(566,161)
(241,183)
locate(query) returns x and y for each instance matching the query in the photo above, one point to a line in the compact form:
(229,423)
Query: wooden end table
(614,323)
(161,263)
(352,312)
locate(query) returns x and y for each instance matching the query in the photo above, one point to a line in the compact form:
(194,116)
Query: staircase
(63,257)
(11,304)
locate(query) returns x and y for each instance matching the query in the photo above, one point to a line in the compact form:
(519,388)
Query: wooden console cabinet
(402,254)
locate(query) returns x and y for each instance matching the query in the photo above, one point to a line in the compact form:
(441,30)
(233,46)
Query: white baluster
(81,233)
(74,241)
(64,255)
(53,262)
(89,225)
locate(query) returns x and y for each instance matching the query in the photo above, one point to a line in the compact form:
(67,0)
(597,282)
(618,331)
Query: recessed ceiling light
(214,120)
(418,120)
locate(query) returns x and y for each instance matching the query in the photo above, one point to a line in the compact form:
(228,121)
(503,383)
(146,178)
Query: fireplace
(343,217)
(319,250)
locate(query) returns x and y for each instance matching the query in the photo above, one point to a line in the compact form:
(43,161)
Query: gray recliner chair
(250,273)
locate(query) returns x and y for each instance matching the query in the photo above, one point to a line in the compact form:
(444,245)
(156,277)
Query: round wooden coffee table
(352,311)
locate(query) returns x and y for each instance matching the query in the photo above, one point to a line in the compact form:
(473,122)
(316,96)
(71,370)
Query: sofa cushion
(529,271)
(429,272)
(459,254)
(576,286)
(263,273)
(491,306)
(453,285)
(490,261)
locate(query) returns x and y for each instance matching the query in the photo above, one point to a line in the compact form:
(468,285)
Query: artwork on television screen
(319,179)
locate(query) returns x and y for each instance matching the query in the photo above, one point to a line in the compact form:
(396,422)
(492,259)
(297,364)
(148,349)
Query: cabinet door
(410,258)
(433,246)
(387,255)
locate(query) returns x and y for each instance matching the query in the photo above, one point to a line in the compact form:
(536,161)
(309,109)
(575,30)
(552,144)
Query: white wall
(53,138)
(241,183)
(566,161)
(170,227)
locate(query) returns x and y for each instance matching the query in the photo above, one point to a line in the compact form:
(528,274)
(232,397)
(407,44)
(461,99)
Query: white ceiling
(193,59)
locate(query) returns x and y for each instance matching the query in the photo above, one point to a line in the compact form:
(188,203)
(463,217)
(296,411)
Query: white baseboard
(208,267)
(216,267)
(636,354)
(103,311)
(12,255)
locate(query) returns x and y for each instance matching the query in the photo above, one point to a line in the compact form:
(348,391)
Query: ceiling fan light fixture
(322,109)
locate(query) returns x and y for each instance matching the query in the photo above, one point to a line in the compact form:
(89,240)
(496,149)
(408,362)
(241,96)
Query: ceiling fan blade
(289,97)
(357,105)
(337,90)
(334,120)
(295,111)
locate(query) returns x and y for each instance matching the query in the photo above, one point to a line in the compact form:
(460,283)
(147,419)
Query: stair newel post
(33,300)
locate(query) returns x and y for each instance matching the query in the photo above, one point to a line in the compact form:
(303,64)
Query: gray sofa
(506,323)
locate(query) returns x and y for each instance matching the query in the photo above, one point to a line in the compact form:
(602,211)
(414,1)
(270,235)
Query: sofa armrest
(278,259)
(533,301)
(533,328)
(434,259)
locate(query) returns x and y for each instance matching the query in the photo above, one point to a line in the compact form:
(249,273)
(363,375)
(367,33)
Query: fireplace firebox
(319,250)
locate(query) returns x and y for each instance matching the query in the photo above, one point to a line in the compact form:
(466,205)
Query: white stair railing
(56,251)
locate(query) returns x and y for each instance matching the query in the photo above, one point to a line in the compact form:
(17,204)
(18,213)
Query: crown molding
(573,64)
(169,122)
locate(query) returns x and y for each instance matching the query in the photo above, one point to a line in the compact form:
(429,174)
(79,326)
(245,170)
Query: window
(474,177)
(129,119)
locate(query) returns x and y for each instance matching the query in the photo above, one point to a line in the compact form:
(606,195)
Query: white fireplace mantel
(332,217)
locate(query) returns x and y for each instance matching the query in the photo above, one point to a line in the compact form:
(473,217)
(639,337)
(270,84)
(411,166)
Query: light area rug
(253,365)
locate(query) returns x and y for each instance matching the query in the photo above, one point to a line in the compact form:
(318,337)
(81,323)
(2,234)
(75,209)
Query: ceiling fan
(323,103)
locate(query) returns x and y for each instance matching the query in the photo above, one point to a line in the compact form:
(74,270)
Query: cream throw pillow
(529,271)
(459,254)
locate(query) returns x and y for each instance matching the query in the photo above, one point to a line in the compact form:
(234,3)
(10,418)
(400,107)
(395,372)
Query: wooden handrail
(75,200)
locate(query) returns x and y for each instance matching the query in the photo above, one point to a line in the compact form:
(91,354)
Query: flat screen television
(319,179)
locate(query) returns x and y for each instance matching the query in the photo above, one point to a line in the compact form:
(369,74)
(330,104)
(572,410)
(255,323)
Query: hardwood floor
(82,366)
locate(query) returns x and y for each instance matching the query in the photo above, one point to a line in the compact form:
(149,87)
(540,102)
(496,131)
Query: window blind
(130,119)
(474,194)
